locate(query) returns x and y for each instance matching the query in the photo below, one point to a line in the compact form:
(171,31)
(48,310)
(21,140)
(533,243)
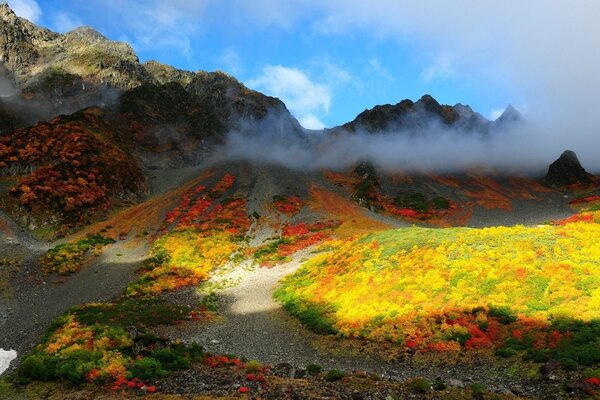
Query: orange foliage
(354,221)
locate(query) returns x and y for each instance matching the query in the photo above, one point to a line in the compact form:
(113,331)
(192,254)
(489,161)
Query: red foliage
(299,237)
(593,381)
(70,167)
(590,218)
(587,199)
(289,205)
(405,212)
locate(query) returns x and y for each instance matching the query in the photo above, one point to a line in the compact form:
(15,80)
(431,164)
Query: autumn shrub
(289,205)
(94,343)
(530,291)
(182,258)
(253,366)
(80,167)
(293,239)
(68,257)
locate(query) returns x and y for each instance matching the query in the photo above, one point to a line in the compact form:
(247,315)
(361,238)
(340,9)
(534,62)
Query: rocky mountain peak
(510,115)
(86,34)
(6,11)
(567,170)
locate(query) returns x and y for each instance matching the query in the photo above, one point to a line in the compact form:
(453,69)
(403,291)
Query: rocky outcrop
(426,113)
(566,171)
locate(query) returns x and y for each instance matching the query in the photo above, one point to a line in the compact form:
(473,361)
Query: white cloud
(306,99)
(65,22)
(151,24)
(28,9)
(376,67)
(441,68)
(311,122)
(231,62)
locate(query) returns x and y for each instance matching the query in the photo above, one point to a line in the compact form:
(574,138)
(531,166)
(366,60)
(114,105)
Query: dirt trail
(255,326)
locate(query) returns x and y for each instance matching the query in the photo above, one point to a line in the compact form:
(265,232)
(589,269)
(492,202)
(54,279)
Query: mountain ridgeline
(162,108)
(416,117)
(83,122)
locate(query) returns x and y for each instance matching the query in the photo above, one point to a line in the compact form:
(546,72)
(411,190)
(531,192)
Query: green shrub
(591,373)
(147,368)
(440,203)
(504,315)
(36,367)
(319,318)
(419,385)
(334,375)
(478,389)
(210,302)
(439,384)
(569,364)
(412,200)
(178,356)
(505,352)
(314,369)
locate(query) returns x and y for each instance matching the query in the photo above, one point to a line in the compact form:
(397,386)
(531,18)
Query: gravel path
(255,326)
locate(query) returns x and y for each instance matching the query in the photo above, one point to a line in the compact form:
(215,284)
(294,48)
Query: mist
(520,148)
(546,55)
(44,105)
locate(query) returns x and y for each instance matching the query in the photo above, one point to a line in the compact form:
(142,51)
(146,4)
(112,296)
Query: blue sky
(327,60)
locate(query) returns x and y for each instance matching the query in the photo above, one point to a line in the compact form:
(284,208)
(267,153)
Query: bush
(440,203)
(314,369)
(591,373)
(36,367)
(570,365)
(439,385)
(478,389)
(147,368)
(253,366)
(505,352)
(412,200)
(334,375)
(319,318)
(419,385)
(178,356)
(504,315)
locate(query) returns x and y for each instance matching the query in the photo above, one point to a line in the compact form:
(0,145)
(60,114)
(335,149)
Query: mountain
(417,117)
(113,121)
(566,171)
(60,74)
